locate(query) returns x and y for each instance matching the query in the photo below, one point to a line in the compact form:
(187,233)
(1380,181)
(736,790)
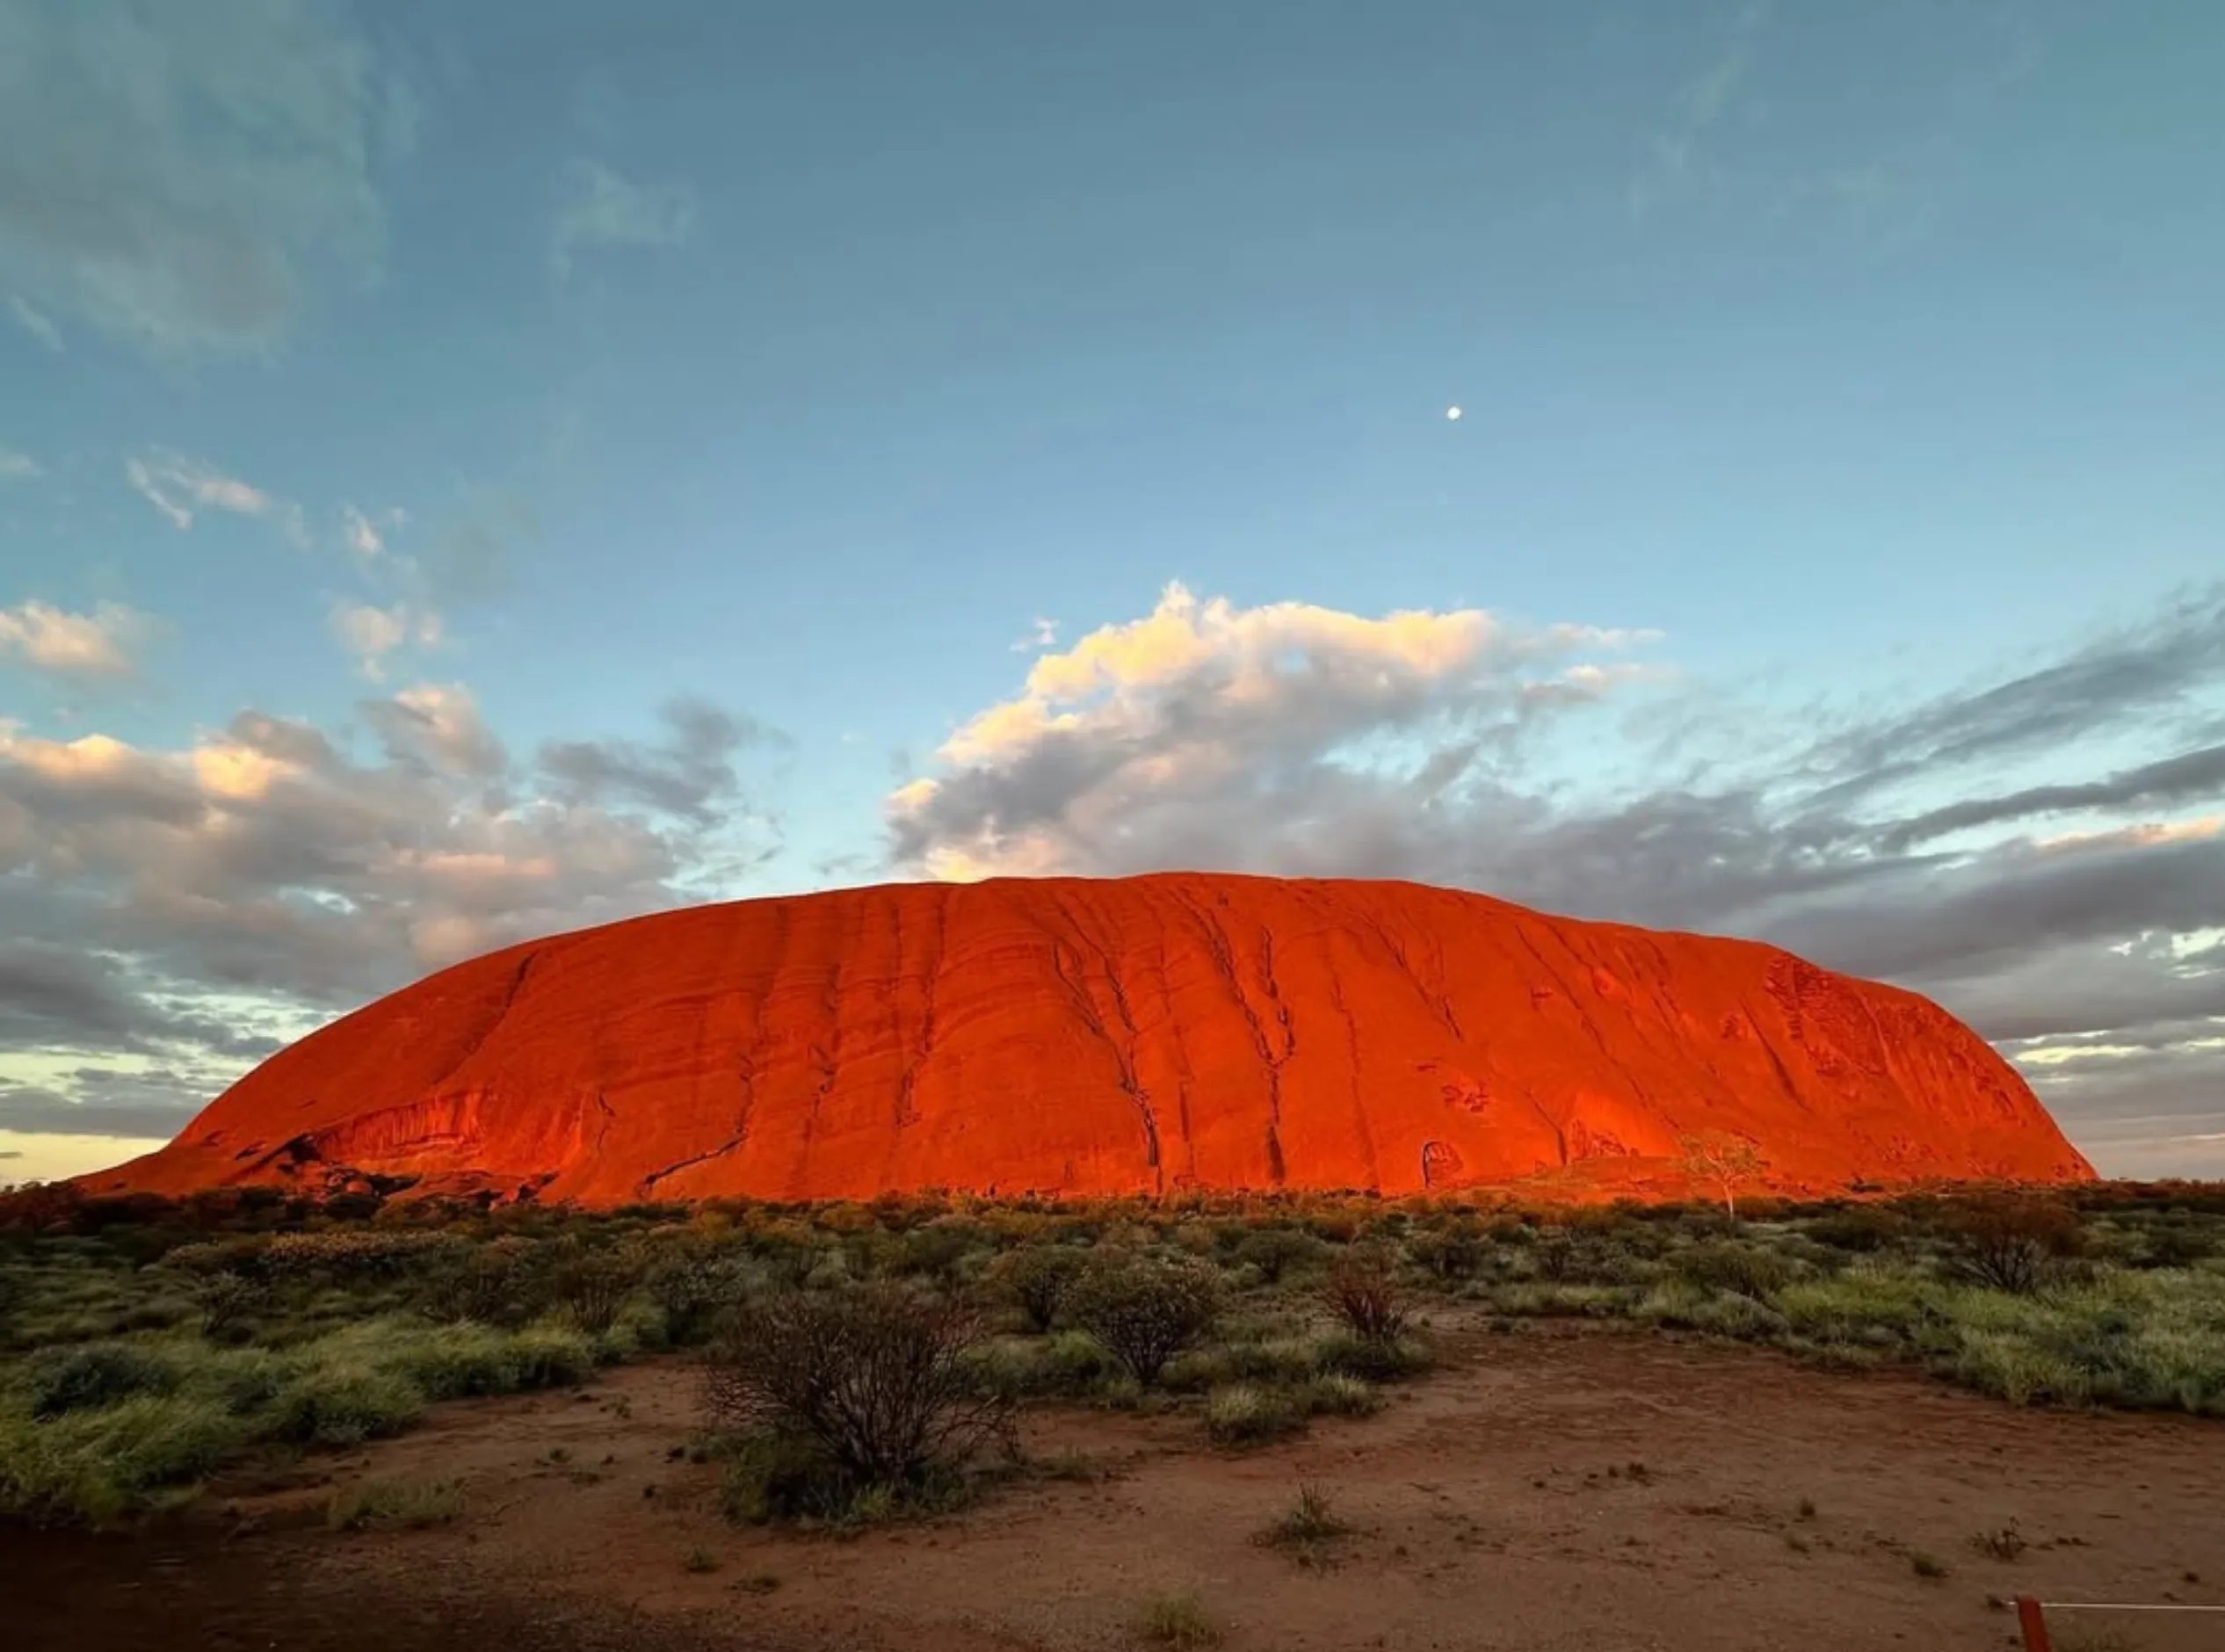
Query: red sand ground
(1135,1035)
(1779,1509)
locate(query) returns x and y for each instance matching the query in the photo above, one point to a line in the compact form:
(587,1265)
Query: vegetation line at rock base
(147,1347)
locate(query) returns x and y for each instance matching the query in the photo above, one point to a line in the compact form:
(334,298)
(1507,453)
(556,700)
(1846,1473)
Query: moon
(1452,412)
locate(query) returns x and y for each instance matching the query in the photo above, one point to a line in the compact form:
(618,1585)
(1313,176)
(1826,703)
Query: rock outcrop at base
(1153,1035)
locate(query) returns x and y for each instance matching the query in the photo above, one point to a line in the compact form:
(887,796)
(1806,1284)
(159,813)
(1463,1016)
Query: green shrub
(94,1465)
(247,1381)
(1860,1228)
(100,1373)
(490,1285)
(1281,1360)
(1746,1270)
(589,1288)
(345,1405)
(690,1289)
(936,1251)
(1277,1251)
(1449,1257)
(1068,1363)
(455,1362)
(228,1302)
(1341,1353)
(1719,1313)
(547,1358)
(1036,1279)
(1145,1309)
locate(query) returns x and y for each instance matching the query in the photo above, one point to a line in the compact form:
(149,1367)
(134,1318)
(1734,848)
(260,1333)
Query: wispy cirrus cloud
(1762,129)
(602,208)
(16,466)
(1678,160)
(364,533)
(182,489)
(35,322)
(101,644)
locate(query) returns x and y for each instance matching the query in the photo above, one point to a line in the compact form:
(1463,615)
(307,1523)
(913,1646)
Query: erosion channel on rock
(1135,1035)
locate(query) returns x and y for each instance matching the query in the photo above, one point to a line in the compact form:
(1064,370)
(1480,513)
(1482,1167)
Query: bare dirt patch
(1552,1489)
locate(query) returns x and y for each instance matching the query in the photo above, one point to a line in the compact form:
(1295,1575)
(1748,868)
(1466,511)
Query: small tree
(875,1378)
(1723,1158)
(1144,1310)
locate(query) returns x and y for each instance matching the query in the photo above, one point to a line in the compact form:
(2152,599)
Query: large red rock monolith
(1148,1034)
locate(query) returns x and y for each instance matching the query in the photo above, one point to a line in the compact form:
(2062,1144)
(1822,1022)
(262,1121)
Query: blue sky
(465,472)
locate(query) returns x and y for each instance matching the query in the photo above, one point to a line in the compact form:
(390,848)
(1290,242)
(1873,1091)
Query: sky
(469,473)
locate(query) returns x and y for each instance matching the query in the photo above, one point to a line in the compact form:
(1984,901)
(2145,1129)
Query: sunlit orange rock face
(1148,1034)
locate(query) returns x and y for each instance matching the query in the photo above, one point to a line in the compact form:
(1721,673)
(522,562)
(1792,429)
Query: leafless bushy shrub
(877,1377)
(1363,1293)
(2010,1242)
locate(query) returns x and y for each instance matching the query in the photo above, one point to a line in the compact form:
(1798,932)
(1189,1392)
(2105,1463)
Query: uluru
(1085,1036)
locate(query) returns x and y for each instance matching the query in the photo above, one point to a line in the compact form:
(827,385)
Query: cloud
(691,775)
(181,489)
(94,645)
(364,536)
(1460,749)
(2146,673)
(173,914)
(176,176)
(34,322)
(16,466)
(371,634)
(602,209)
(2188,775)
(1765,131)
(52,993)
(1677,161)
(1203,728)
(141,1105)
(436,730)
(1045,635)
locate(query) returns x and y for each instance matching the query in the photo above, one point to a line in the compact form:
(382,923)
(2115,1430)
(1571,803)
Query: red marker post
(2033,1622)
